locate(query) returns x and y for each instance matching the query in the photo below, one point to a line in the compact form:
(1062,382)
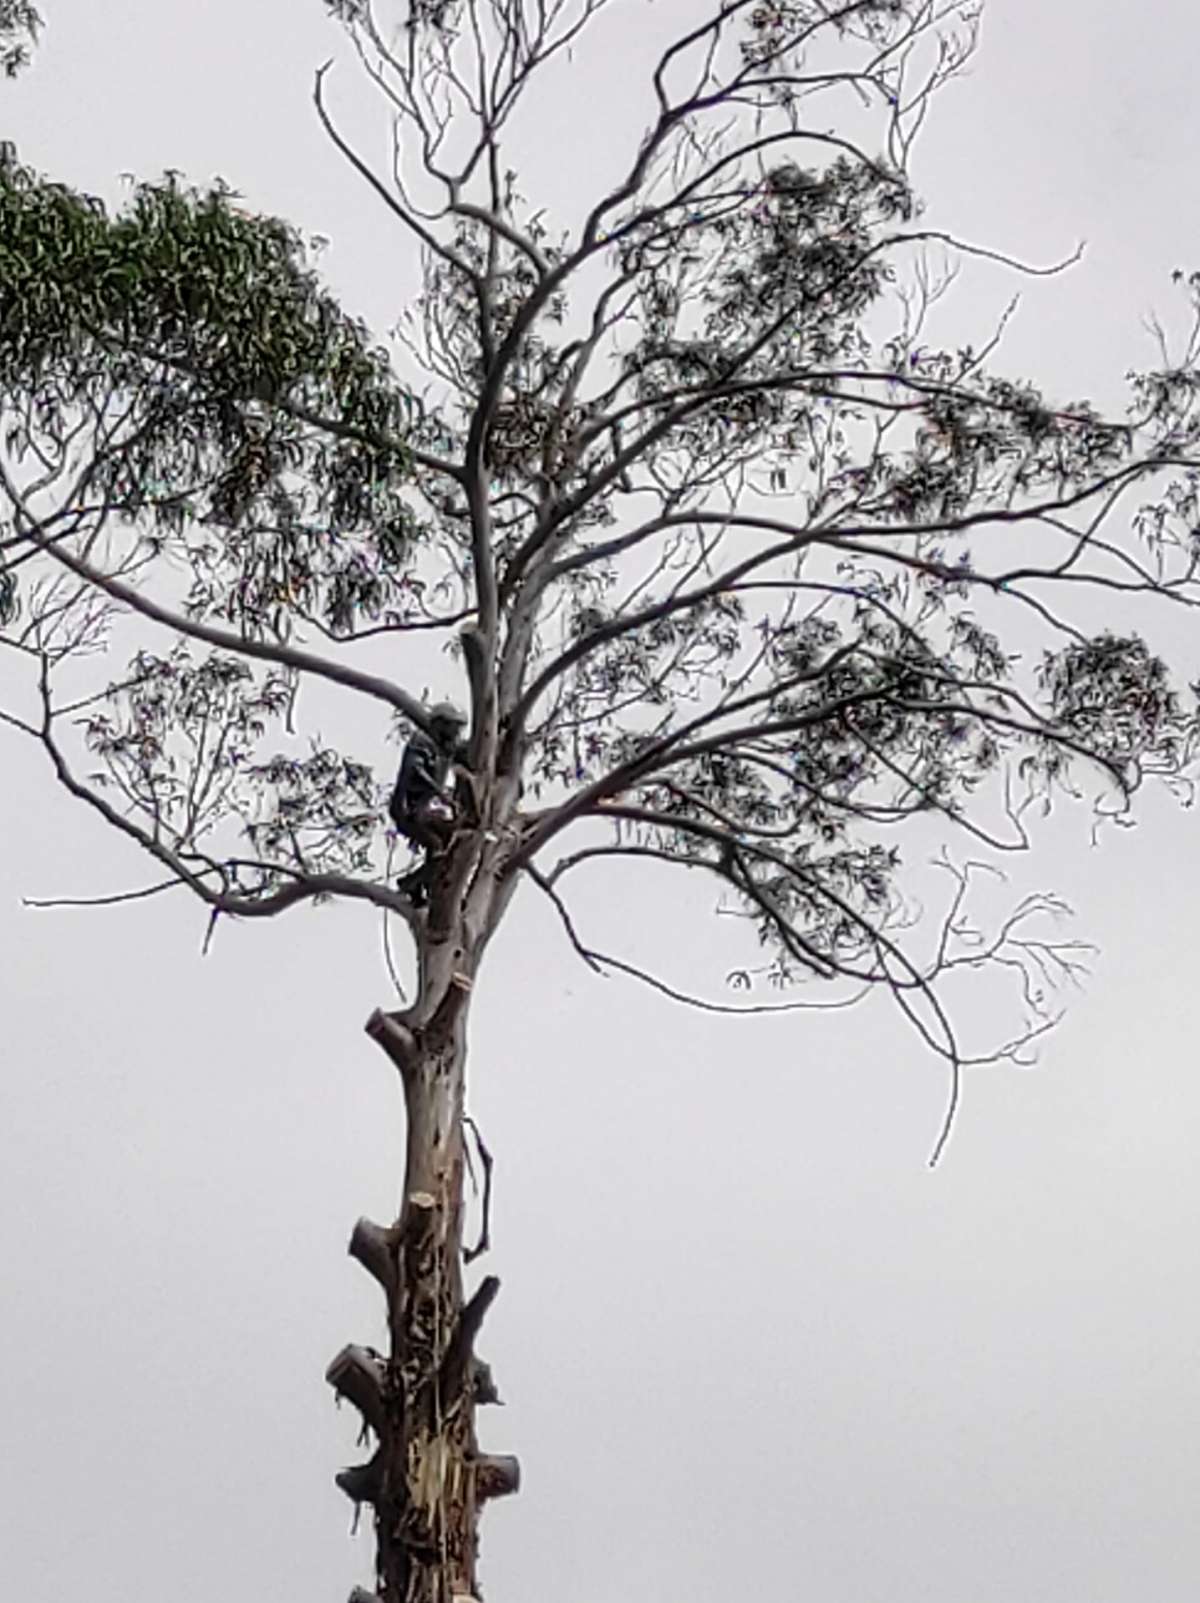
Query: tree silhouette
(746,574)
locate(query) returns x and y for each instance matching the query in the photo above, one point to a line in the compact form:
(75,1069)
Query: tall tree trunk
(427,1481)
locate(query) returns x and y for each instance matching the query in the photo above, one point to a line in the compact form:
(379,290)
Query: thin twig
(113,900)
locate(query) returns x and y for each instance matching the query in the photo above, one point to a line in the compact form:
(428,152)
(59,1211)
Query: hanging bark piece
(358,1375)
(488,1163)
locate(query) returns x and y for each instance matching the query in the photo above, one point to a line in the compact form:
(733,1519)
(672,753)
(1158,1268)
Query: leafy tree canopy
(757,577)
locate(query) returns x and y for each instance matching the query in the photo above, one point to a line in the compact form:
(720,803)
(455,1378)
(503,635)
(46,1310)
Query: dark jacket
(422,776)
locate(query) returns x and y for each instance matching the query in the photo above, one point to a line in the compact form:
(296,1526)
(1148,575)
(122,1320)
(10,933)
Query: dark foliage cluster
(192,344)
(20,24)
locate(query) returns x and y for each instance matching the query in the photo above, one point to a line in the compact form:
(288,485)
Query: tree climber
(420,808)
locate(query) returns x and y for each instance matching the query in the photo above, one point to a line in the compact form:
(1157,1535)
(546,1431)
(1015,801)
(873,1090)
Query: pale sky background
(750,1346)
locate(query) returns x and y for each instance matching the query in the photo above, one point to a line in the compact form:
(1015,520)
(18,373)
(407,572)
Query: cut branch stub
(373,1246)
(496,1475)
(362,1483)
(359,1596)
(483,1385)
(395,1038)
(459,1349)
(420,1217)
(357,1374)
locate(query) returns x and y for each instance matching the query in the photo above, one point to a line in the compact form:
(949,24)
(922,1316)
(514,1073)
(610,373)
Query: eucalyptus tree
(745,573)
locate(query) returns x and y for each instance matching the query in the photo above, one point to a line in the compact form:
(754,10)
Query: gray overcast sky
(750,1346)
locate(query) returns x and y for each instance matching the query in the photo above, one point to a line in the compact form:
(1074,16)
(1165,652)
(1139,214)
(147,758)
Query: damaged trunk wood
(426,1481)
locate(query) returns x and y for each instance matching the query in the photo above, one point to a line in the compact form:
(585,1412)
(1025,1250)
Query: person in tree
(419,807)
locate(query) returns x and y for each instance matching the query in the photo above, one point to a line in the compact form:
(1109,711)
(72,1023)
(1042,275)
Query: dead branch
(459,1351)
(374,1247)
